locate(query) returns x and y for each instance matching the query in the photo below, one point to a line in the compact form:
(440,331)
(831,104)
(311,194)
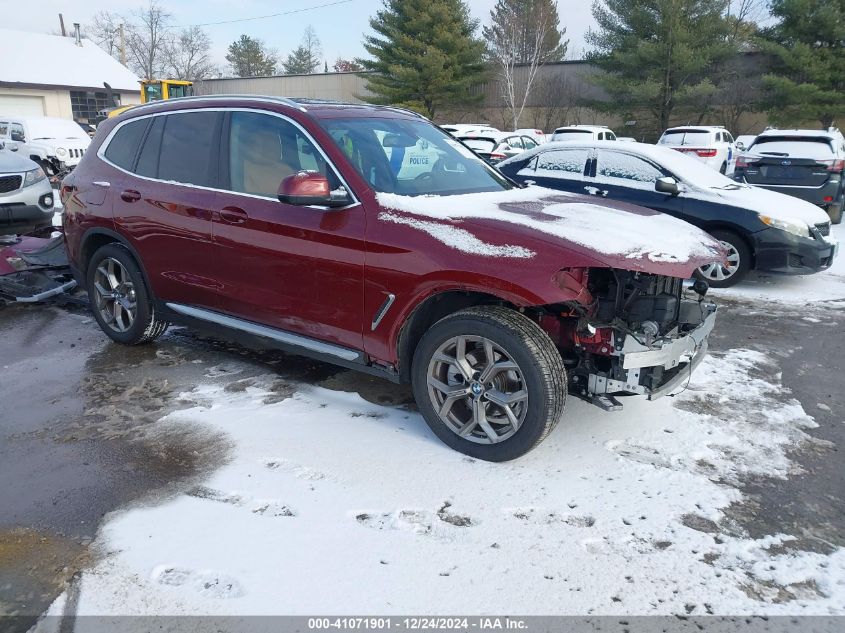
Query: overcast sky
(340,27)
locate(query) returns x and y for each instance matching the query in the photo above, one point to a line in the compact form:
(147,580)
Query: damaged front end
(640,334)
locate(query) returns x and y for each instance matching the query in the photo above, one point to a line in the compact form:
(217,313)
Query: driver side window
(16,132)
(265,149)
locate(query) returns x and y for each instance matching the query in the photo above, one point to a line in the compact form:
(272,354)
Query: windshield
(570,135)
(55,129)
(793,146)
(411,157)
(685,137)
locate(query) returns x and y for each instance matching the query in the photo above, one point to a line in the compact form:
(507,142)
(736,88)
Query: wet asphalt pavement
(74,409)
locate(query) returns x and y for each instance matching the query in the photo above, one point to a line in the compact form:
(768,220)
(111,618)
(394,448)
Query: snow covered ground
(329,504)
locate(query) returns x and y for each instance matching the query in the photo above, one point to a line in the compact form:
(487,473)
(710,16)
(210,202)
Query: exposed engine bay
(642,334)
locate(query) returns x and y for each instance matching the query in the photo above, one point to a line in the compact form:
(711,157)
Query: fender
(114,237)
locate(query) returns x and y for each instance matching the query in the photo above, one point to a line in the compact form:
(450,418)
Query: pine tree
(424,55)
(808,48)
(305,58)
(657,54)
(248,57)
(529,28)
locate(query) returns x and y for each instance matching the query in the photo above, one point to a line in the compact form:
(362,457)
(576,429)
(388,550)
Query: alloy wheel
(477,389)
(115,295)
(720,272)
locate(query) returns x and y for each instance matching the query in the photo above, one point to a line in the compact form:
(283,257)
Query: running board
(281,336)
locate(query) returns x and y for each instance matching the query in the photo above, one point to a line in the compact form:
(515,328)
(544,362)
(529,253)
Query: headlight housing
(61,151)
(33,176)
(796,227)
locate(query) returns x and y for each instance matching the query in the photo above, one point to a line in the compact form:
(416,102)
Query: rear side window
(148,158)
(188,148)
(124,144)
(4,129)
(570,161)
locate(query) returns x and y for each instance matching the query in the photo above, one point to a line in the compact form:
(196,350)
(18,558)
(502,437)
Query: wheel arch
(428,312)
(96,238)
(736,230)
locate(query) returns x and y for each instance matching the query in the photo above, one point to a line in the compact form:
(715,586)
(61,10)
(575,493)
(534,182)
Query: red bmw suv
(367,237)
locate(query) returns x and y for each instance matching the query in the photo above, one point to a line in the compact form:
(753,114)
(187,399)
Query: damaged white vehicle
(57,145)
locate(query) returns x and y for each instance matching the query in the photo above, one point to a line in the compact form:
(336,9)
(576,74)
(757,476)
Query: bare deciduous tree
(188,55)
(147,39)
(520,43)
(562,99)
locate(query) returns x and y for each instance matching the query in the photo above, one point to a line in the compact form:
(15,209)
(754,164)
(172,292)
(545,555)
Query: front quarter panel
(412,260)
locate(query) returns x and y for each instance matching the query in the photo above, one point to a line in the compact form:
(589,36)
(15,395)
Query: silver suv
(26,197)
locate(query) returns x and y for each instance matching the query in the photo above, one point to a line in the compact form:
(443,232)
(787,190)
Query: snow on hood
(609,229)
(773,204)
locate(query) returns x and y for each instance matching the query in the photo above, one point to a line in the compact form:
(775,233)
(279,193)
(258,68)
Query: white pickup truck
(57,145)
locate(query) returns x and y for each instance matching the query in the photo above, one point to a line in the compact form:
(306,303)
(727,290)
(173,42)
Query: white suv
(583,133)
(712,145)
(57,145)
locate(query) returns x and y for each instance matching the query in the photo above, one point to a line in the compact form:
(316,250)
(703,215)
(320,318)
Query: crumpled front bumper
(656,370)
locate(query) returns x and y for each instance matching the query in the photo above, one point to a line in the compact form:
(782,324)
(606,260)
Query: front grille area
(636,297)
(10,183)
(824,228)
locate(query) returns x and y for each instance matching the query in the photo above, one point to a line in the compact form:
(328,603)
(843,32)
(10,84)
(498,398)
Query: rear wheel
(725,275)
(119,297)
(489,382)
(835,212)
(723,169)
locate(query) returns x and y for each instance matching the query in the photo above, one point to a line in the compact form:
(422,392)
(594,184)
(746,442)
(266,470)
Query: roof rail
(265,98)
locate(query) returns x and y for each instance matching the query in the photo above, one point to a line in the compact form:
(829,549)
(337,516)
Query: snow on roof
(53,60)
(796,132)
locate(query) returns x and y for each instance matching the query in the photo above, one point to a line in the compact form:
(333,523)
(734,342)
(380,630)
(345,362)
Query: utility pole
(122,44)
(62,25)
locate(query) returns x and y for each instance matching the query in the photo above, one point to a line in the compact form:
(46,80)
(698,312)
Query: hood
(12,163)
(541,220)
(771,203)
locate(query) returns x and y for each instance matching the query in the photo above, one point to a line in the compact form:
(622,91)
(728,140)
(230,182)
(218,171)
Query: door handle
(101,183)
(233,215)
(130,195)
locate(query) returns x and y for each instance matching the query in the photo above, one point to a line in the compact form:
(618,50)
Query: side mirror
(2,145)
(18,137)
(667,185)
(310,188)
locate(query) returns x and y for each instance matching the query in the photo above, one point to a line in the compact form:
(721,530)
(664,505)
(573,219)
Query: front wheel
(489,382)
(731,272)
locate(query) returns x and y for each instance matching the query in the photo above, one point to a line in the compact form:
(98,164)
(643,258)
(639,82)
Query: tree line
(659,60)
(147,41)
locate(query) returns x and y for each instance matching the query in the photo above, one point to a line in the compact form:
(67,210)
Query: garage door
(21,105)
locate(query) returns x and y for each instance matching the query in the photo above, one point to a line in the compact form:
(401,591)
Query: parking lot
(197,476)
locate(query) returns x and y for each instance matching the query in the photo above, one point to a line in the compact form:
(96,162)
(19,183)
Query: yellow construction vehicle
(158,90)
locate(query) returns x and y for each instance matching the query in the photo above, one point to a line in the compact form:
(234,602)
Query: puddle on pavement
(34,568)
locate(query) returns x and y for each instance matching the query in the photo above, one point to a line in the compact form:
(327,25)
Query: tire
(730,276)
(114,278)
(723,169)
(534,388)
(835,212)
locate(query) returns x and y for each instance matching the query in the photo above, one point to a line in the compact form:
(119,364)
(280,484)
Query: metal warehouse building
(51,75)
